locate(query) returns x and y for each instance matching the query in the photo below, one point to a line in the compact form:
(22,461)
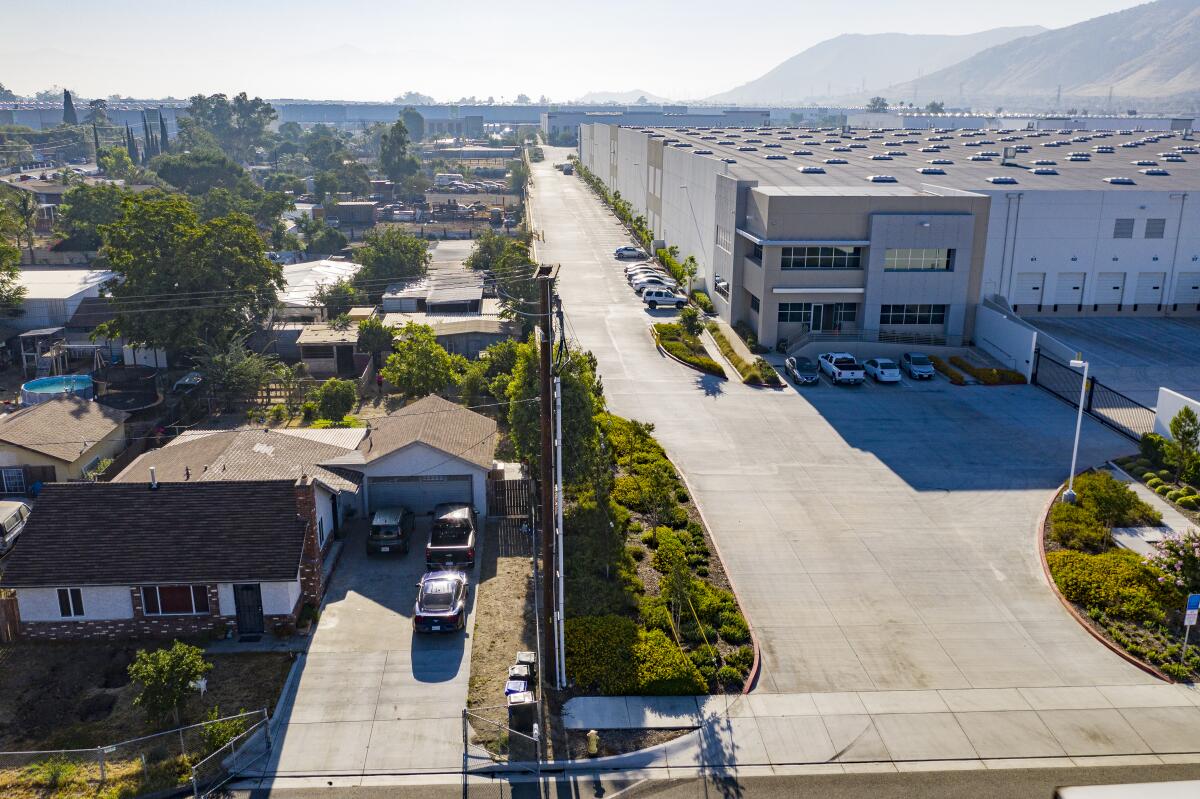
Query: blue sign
(1193,602)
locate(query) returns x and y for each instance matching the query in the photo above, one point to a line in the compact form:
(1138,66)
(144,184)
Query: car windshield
(437,595)
(886,365)
(805,365)
(919,360)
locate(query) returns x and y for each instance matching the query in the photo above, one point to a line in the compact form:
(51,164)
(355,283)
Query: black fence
(1112,408)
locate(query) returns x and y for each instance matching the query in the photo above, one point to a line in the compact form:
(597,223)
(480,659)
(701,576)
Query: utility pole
(545,279)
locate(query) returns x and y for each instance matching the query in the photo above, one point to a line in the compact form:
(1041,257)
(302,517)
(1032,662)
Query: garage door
(1069,290)
(1110,288)
(1187,288)
(1149,288)
(419,494)
(1029,288)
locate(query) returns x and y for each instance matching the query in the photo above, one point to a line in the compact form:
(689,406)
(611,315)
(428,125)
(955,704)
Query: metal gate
(1112,408)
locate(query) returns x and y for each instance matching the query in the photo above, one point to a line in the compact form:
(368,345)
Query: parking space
(1134,355)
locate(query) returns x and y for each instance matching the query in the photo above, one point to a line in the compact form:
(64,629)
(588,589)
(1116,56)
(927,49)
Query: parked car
(802,370)
(629,268)
(13,514)
(391,531)
(653,281)
(882,370)
(645,271)
(629,252)
(841,367)
(656,297)
(452,537)
(441,604)
(918,366)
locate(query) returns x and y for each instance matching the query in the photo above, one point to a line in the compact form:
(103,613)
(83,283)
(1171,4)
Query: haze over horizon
(358,50)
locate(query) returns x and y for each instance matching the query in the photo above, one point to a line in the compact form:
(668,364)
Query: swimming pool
(48,388)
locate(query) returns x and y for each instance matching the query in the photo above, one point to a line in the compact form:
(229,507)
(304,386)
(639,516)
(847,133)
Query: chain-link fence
(135,767)
(489,741)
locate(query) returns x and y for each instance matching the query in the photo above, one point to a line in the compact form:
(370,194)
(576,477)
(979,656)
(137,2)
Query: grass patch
(687,348)
(988,376)
(759,373)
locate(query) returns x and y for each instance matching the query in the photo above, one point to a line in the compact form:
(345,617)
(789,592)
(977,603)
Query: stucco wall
(99,603)
(420,460)
(1169,404)
(108,447)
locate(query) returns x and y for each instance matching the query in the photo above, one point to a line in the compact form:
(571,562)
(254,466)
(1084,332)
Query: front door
(247,599)
(817,315)
(344,355)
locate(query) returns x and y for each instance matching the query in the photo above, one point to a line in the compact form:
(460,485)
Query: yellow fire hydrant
(593,743)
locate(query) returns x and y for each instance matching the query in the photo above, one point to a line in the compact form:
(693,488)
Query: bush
(953,375)
(308,411)
(702,301)
(277,413)
(1076,527)
(700,362)
(335,398)
(1177,671)
(693,634)
(741,659)
(1119,582)
(1152,448)
(734,629)
(663,669)
(1162,490)
(1112,502)
(654,613)
(600,654)
(216,733)
(729,677)
(1189,503)
(689,320)
(1173,496)
(1166,474)
(747,335)
(637,553)
(349,420)
(989,377)
(1153,482)
(650,539)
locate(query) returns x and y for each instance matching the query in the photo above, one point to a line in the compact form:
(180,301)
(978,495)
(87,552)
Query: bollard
(593,743)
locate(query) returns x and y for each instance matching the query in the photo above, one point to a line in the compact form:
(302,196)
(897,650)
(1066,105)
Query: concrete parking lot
(879,537)
(1135,354)
(373,697)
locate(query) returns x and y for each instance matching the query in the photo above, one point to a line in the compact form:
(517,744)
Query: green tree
(335,398)
(165,677)
(877,105)
(291,132)
(375,337)
(390,254)
(936,107)
(7,95)
(419,365)
(115,163)
(69,115)
(237,127)
(97,112)
(487,250)
(414,122)
(319,238)
(670,560)
(689,320)
(393,153)
(1181,448)
(232,372)
(181,281)
(11,290)
(323,147)
(199,173)
(23,213)
(514,273)
(337,298)
(84,210)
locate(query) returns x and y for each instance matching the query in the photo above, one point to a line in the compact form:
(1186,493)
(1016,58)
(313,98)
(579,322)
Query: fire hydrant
(593,743)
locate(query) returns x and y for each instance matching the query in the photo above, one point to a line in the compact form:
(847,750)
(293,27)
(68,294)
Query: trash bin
(522,716)
(516,687)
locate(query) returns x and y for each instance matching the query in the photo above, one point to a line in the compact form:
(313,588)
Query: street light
(1069,494)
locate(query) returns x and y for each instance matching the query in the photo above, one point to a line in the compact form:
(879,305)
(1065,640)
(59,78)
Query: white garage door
(1069,290)
(1110,288)
(1149,288)
(1187,289)
(1029,288)
(419,494)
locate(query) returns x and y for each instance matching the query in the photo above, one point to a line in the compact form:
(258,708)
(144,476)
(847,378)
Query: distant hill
(1145,52)
(846,64)
(630,97)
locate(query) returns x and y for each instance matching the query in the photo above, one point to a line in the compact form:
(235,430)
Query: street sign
(1193,610)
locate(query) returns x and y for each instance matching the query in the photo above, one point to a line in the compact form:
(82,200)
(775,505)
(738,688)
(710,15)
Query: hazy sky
(359,50)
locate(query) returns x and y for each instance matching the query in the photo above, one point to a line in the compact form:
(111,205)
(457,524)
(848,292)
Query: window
(918,260)
(912,314)
(1123,229)
(724,239)
(796,312)
(1155,228)
(754,304)
(14,481)
(174,600)
(70,602)
(316,351)
(321,531)
(821,258)
(756,254)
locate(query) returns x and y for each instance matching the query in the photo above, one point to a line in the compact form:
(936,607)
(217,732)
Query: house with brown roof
(57,440)
(111,560)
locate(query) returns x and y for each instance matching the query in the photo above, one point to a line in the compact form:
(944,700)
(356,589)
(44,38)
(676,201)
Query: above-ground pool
(48,388)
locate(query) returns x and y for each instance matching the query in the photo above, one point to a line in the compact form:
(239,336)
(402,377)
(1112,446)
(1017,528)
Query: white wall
(280,598)
(1169,403)
(1005,339)
(325,513)
(420,460)
(99,603)
(225,598)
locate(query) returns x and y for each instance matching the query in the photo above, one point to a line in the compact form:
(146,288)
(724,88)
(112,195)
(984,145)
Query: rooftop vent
(1119,181)
(1002,179)
(812,170)
(882,179)
(1045,170)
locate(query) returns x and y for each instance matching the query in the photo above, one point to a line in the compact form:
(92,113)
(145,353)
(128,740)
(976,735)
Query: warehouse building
(901,234)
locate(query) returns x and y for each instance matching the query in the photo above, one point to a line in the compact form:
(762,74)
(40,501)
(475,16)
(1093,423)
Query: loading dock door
(1149,288)
(1110,288)
(1069,290)
(1187,288)
(1029,288)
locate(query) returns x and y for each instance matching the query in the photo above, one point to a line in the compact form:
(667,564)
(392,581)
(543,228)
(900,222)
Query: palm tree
(24,207)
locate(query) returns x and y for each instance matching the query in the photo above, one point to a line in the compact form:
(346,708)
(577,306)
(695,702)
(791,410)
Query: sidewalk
(1142,539)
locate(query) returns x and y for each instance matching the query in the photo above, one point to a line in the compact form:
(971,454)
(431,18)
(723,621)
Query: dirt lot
(78,694)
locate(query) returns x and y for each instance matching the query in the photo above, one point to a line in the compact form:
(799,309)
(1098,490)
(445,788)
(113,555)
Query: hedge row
(954,375)
(759,373)
(686,348)
(702,301)
(989,377)
(612,656)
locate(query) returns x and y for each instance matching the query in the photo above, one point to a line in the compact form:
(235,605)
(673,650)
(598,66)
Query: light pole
(1069,494)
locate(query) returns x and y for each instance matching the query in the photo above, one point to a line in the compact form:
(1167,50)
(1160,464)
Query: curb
(1075,614)
(663,351)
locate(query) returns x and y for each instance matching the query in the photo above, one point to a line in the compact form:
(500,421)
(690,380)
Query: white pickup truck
(841,367)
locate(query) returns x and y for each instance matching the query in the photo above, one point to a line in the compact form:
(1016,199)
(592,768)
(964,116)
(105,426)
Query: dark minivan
(391,531)
(452,537)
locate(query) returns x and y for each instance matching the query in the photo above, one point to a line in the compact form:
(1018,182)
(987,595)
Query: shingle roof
(247,454)
(437,423)
(60,428)
(130,534)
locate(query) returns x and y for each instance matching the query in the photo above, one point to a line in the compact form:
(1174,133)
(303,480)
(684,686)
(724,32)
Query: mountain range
(623,98)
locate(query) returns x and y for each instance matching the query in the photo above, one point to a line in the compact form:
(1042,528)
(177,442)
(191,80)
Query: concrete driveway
(879,538)
(372,697)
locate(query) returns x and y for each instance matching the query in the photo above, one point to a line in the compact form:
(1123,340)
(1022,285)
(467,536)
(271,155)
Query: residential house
(330,351)
(53,294)
(303,282)
(451,301)
(57,440)
(116,560)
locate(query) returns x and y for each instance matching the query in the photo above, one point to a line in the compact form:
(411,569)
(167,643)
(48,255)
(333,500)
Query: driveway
(879,538)
(372,697)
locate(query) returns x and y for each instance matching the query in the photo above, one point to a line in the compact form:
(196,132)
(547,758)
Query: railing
(488,741)
(241,752)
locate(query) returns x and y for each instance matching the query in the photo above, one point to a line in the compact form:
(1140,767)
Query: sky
(359,50)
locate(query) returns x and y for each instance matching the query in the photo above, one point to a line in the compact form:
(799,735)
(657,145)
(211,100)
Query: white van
(13,513)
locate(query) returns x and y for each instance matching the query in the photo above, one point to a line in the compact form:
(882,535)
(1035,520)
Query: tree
(199,172)
(323,147)
(180,281)
(390,254)
(1181,448)
(115,163)
(513,272)
(689,320)
(487,251)
(164,141)
(936,107)
(393,153)
(319,238)
(166,677)
(69,116)
(84,210)
(22,216)
(335,398)
(11,290)
(236,127)
(291,132)
(7,95)
(877,105)
(419,365)
(97,112)
(337,298)
(414,122)
(375,337)
(232,372)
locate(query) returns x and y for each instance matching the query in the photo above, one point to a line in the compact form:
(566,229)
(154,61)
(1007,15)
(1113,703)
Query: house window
(1123,229)
(821,258)
(320,532)
(317,351)
(1155,228)
(912,314)
(70,602)
(918,260)
(174,600)
(14,481)
(796,312)
(754,304)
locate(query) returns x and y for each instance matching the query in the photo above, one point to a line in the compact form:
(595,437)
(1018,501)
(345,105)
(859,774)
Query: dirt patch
(619,742)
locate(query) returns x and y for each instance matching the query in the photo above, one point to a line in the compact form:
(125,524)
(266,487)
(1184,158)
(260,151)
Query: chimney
(153,480)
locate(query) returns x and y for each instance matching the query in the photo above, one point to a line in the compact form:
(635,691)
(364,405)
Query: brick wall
(312,561)
(140,626)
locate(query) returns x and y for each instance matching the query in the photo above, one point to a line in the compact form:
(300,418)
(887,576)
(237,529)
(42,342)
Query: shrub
(763,374)
(277,413)
(1162,490)
(1147,476)
(734,629)
(1178,555)
(650,538)
(747,335)
(335,398)
(1177,671)
(1113,503)
(1173,496)
(1189,503)
(654,613)
(681,495)
(689,320)
(693,634)
(700,362)
(165,676)
(701,299)
(1076,527)
(53,773)
(308,411)
(349,420)
(1153,482)
(1165,474)
(989,377)
(1118,581)
(1153,449)
(663,669)
(637,553)
(953,375)
(600,654)
(741,659)
(1142,463)
(729,677)
(216,733)
(1188,491)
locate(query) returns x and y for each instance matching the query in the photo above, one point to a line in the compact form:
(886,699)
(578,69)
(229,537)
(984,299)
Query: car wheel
(653,305)
(680,305)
